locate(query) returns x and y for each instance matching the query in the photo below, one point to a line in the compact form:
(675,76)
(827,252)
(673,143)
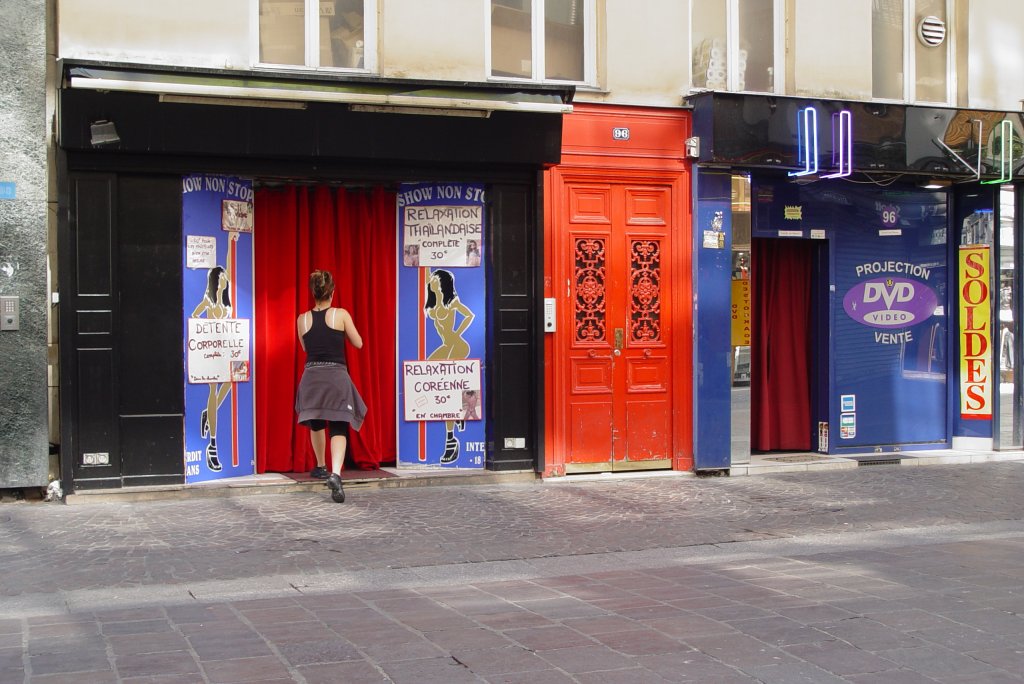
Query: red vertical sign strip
(422,347)
(232,244)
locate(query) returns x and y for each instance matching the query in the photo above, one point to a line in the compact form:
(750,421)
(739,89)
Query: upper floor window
(912,50)
(542,40)
(317,33)
(736,45)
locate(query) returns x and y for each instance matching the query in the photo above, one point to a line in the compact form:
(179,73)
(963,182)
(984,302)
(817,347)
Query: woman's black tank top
(324,343)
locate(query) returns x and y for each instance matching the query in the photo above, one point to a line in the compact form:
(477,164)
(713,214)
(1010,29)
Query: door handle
(619,336)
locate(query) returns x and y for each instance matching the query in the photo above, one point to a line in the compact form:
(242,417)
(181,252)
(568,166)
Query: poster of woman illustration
(216,304)
(441,325)
(217,273)
(451,319)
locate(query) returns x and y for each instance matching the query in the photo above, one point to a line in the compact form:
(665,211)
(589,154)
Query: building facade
(856,207)
(200,190)
(837,153)
(628,171)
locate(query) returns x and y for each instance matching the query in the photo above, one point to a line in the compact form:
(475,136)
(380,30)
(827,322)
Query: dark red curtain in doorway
(352,234)
(780,345)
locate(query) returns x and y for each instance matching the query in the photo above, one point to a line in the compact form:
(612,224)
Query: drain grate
(796,458)
(869,461)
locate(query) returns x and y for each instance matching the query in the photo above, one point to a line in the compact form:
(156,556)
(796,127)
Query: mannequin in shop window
(1006,354)
(216,303)
(327,401)
(444,308)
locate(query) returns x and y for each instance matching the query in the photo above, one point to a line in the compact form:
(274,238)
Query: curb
(232,489)
(226,488)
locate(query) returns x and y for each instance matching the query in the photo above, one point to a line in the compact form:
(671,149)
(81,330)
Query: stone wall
(24,453)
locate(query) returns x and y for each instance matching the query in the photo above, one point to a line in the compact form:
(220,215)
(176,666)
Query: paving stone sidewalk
(882,574)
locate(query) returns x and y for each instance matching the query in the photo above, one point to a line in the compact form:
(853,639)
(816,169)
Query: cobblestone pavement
(882,574)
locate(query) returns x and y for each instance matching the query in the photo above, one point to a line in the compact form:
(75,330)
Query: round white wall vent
(931,31)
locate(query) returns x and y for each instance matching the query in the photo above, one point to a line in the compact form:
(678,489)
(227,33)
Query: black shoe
(319,473)
(212,462)
(337,492)
(451,450)
(204,424)
(460,425)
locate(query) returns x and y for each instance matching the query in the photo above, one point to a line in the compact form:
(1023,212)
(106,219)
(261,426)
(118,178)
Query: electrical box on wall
(9,316)
(549,314)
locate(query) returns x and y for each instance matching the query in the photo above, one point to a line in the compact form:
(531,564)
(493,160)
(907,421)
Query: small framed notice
(200,251)
(442,390)
(236,215)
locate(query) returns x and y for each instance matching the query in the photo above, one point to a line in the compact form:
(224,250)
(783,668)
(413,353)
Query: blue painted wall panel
(712,287)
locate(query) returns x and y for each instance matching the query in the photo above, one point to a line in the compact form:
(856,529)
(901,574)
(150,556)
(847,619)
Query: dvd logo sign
(890,302)
(889,293)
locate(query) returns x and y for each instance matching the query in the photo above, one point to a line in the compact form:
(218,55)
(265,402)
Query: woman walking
(327,401)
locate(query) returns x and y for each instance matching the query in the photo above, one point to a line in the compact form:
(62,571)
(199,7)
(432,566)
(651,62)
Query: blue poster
(442,288)
(217,277)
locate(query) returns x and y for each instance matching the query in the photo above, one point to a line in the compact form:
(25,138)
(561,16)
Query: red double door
(615,340)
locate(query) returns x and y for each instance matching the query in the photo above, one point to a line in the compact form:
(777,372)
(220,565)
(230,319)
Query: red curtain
(352,234)
(780,347)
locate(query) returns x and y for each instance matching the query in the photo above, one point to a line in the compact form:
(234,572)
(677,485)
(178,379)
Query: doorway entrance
(615,253)
(782,336)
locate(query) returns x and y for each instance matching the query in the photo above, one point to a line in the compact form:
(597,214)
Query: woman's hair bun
(321,284)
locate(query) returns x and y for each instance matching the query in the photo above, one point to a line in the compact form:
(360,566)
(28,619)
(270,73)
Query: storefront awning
(248,88)
(337,119)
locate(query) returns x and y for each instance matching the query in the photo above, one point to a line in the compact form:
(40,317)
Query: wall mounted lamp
(103,133)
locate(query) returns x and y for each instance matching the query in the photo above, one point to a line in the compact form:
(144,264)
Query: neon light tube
(1005,154)
(807,140)
(844,145)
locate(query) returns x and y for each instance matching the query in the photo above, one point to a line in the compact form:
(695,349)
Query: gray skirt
(327,393)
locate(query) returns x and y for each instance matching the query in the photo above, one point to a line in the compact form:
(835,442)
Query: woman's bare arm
(350,329)
(300,328)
